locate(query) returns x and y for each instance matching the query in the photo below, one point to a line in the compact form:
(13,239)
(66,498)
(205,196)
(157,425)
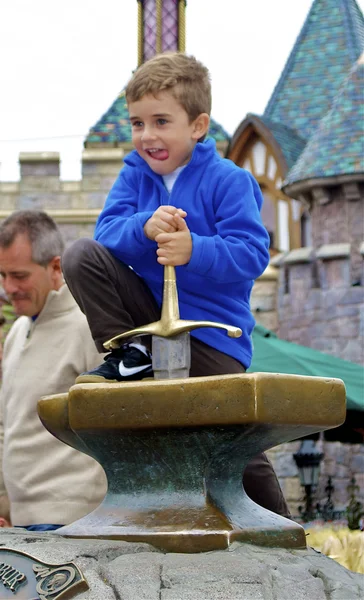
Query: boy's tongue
(159,154)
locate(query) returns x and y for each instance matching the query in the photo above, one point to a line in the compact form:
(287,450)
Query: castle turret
(321,297)
(161,28)
(329,43)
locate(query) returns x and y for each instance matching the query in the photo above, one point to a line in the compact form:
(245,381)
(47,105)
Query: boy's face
(162,133)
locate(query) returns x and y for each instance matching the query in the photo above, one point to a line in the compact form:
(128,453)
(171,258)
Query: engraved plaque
(23,577)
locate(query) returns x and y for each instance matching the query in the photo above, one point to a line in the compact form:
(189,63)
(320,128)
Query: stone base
(116,569)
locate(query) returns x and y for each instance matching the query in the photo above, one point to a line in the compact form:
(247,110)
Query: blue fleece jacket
(229,241)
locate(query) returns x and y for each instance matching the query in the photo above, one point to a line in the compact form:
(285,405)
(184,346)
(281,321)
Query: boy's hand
(175,248)
(163,221)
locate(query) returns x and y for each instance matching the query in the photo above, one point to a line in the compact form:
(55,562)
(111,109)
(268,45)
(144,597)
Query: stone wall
(319,304)
(263,299)
(74,205)
(337,217)
(341,462)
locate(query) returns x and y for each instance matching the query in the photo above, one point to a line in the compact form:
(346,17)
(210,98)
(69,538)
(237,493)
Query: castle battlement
(75,205)
(319,303)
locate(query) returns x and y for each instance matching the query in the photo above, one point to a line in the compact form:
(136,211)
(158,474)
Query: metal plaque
(23,577)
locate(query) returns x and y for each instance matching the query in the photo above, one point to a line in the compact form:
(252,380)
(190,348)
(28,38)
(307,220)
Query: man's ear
(56,272)
(200,126)
(55,263)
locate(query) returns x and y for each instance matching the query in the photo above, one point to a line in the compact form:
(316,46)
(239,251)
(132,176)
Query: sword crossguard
(169,324)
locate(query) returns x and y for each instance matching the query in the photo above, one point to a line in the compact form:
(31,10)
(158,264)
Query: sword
(171,344)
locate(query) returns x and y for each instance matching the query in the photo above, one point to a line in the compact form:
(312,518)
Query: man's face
(162,133)
(26,283)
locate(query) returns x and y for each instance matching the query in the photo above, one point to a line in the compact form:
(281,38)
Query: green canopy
(273,355)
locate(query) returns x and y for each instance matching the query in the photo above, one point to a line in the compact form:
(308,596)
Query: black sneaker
(128,363)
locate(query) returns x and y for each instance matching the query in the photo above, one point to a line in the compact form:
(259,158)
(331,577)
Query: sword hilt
(169,324)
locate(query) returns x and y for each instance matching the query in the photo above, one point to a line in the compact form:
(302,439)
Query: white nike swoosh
(124,371)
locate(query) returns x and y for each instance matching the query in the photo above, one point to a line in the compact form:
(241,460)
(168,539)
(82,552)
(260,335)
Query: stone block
(39,183)
(348,310)
(357,463)
(264,288)
(284,465)
(301,273)
(91,184)
(325,344)
(292,582)
(334,273)
(292,489)
(353,350)
(7,202)
(29,202)
(343,327)
(286,300)
(267,319)
(332,251)
(333,297)
(9,187)
(294,508)
(328,468)
(313,299)
(340,496)
(262,303)
(72,232)
(353,295)
(278,259)
(95,199)
(77,201)
(39,164)
(71,186)
(299,255)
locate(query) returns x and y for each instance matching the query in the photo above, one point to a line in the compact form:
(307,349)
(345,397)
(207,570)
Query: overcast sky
(63,62)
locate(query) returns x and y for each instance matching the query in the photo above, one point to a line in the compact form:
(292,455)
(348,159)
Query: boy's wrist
(147,231)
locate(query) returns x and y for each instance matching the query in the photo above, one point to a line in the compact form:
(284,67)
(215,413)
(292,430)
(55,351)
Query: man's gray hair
(44,236)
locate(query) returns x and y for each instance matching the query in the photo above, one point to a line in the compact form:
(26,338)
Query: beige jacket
(46,480)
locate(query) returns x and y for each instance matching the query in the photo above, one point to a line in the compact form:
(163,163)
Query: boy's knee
(73,257)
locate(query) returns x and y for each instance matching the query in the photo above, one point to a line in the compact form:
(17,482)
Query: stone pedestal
(116,570)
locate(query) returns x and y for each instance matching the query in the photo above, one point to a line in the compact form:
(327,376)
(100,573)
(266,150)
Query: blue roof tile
(291,144)
(330,41)
(337,147)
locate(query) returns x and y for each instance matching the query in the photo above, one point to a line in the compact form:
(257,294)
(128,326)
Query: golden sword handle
(169,324)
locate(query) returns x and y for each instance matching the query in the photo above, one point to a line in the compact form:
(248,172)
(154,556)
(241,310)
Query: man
(48,483)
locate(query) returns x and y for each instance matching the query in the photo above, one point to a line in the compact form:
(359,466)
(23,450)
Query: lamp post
(308,460)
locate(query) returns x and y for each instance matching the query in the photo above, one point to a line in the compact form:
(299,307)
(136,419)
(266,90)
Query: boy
(175,202)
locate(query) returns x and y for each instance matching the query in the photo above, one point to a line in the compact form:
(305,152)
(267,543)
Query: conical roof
(337,147)
(113,128)
(330,41)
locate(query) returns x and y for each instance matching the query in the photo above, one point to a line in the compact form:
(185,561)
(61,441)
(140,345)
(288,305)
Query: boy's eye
(162,121)
(137,124)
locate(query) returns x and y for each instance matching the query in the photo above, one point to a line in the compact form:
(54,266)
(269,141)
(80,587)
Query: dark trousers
(115,299)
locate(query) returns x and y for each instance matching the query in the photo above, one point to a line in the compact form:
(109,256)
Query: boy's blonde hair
(186,78)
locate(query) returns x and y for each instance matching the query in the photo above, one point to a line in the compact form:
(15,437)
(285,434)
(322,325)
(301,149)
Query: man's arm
(4,505)
(4,511)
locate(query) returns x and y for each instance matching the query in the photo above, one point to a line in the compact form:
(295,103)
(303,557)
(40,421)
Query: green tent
(273,355)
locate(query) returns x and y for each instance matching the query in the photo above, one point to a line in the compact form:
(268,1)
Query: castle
(306,151)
